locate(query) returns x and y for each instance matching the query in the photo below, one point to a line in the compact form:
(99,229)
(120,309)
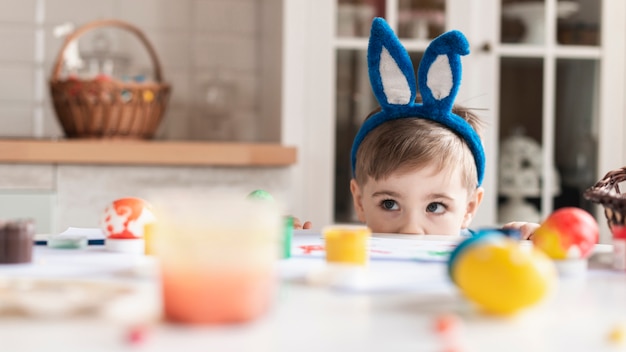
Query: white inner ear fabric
(439,78)
(395,84)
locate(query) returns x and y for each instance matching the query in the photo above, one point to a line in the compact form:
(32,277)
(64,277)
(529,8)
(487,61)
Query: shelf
(504,50)
(356,43)
(122,152)
(539,51)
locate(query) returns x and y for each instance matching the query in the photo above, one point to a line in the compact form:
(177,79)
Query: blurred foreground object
(607,193)
(217,257)
(502,278)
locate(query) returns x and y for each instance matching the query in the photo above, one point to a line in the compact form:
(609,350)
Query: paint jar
(16,241)
(346,244)
(217,257)
(619,247)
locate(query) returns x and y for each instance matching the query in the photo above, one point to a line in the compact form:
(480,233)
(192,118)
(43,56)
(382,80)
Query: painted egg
(126,218)
(568,233)
(499,275)
(260,194)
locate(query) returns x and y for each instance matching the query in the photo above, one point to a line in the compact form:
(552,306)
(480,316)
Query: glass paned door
(549,74)
(354,102)
(576,130)
(520,139)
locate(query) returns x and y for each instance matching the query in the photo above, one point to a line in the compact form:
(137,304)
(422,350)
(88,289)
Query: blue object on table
(89,242)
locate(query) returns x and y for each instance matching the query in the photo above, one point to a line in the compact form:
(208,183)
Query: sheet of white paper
(384,247)
(90,262)
(73,232)
(377,277)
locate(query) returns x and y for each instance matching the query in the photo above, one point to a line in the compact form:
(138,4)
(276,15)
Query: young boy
(417,167)
(416,176)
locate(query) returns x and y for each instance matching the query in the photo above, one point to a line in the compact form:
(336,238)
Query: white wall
(193,38)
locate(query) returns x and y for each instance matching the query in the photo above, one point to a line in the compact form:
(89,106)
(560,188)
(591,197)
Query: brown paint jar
(16,241)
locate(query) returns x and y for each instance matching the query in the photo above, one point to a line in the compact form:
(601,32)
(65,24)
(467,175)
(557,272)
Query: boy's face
(422,201)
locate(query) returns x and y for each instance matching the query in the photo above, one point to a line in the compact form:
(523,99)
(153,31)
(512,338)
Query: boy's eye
(435,207)
(389,204)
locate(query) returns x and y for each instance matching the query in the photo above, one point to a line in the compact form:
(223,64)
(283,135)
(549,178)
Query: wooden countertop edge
(123,152)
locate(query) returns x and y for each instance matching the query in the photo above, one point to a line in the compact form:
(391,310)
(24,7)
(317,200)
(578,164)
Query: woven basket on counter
(105,107)
(607,193)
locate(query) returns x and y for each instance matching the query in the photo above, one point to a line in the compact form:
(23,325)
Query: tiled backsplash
(195,39)
(60,196)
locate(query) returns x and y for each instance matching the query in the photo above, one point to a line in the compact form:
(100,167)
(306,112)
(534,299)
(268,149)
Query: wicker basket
(607,193)
(109,108)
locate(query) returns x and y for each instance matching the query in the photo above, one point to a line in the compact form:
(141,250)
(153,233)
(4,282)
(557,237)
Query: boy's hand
(297,225)
(526,229)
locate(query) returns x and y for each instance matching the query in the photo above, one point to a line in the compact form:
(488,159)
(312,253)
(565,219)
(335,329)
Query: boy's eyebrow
(386,193)
(439,195)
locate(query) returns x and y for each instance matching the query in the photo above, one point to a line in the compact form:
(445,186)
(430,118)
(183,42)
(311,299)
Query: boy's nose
(412,227)
(411,230)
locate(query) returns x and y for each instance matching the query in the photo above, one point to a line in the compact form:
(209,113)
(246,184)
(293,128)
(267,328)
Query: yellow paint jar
(346,244)
(148,231)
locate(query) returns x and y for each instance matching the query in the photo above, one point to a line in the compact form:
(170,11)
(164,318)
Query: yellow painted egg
(501,276)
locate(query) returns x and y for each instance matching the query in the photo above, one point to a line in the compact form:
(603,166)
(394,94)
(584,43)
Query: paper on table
(90,235)
(73,232)
(378,276)
(384,247)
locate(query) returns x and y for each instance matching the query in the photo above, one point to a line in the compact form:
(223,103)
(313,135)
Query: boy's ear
(357,199)
(472,206)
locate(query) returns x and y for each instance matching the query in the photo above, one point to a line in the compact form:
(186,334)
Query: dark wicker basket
(607,193)
(109,108)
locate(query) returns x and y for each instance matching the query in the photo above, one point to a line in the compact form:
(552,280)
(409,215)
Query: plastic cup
(217,258)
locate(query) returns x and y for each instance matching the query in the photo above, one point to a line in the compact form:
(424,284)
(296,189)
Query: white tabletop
(398,314)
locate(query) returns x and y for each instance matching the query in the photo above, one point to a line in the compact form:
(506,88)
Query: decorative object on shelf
(519,176)
(578,33)
(607,193)
(216,101)
(103,106)
(531,14)
(418,22)
(353,19)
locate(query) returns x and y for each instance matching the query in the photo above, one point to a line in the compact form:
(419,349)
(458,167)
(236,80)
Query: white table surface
(398,315)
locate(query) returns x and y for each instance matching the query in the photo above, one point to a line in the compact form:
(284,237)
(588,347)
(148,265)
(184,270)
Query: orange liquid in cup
(217,264)
(204,296)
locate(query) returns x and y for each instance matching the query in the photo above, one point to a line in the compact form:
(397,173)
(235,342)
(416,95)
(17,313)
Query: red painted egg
(126,218)
(568,233)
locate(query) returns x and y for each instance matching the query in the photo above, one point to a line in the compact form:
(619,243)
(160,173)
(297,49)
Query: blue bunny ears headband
(439,78)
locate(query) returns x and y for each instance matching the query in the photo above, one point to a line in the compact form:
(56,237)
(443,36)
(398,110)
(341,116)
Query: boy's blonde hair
(410,143)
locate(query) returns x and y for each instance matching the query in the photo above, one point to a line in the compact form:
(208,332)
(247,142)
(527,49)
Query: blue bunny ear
(439,73)
(390,68)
